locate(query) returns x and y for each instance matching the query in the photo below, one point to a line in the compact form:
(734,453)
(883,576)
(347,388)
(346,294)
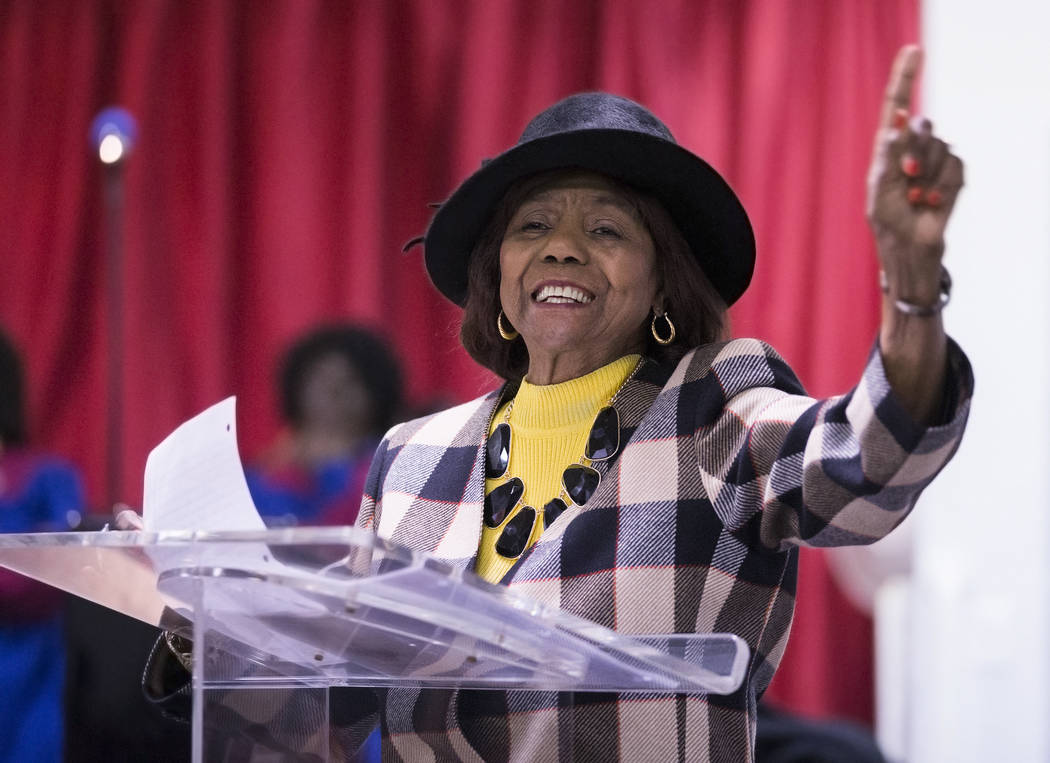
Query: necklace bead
(497,451)
(604,439)
(551,510)
(515,536)
(580,482)
(501,500)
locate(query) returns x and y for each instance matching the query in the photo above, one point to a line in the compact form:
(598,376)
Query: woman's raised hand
(913,183)
(912,187)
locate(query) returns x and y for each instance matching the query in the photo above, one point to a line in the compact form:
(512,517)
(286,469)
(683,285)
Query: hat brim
(708,214)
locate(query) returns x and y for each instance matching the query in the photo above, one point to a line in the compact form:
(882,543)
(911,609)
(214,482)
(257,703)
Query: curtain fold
(288,149)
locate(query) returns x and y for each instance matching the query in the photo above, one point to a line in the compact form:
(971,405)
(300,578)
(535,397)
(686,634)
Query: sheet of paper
(194,479)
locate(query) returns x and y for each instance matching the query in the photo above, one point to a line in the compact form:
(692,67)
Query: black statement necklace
(579,481)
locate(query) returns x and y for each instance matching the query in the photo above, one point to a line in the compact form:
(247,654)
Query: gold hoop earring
(652,327)
(510,335)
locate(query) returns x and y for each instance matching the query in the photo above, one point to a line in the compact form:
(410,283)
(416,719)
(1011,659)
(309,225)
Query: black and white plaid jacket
(727,467)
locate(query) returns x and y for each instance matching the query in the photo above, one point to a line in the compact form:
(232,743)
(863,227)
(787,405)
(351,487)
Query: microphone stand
(113,134)
(113,195)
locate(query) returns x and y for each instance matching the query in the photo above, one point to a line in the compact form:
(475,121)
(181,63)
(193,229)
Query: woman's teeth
(563,295)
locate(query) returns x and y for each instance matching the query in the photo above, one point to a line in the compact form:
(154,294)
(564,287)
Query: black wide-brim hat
(623,140)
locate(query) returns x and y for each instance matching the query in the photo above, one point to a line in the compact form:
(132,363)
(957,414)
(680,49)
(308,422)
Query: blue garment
(287,493)
(37,493)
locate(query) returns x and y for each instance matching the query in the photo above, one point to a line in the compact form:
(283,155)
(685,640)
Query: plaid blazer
(726,468)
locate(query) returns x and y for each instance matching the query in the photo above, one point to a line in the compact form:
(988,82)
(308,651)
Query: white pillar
(980,668)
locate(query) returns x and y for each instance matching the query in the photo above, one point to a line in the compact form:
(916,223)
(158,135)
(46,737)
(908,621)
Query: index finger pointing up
(902,79)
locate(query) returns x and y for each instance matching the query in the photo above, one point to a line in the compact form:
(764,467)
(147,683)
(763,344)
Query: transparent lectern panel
(361,612)
(340,606)
(283,620)
(112,569)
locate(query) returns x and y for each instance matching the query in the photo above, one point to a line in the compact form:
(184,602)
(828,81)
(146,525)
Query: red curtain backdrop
(287,149)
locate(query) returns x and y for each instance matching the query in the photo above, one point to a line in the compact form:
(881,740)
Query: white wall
(981,595)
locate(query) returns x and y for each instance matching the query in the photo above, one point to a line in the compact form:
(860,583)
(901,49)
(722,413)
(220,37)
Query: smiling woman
(635,469)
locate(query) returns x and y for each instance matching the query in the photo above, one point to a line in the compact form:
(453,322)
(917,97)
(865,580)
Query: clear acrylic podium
(281,618)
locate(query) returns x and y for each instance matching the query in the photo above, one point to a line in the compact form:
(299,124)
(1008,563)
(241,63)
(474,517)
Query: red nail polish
(910,166)
(934,198)
(915,195)
(900,119)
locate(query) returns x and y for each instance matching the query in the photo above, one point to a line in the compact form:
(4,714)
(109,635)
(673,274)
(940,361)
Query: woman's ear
(659,303)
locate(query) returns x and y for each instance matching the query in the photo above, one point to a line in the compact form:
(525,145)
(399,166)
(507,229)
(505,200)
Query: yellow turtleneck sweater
(549,426)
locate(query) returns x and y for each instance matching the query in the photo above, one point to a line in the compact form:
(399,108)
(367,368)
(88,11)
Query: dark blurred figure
(785,737)
(107,716)
(38,492)
(340,390)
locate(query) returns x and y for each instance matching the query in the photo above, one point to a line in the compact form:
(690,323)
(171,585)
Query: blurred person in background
(39,492)
(340,390)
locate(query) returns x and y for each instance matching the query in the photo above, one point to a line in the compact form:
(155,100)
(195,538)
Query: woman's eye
(533,225)
(605,230)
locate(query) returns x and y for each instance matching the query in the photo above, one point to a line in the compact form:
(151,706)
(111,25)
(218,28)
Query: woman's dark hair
(12,395)
(367,353)
(698,311)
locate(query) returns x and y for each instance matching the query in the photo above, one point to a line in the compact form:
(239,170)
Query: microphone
(113,134)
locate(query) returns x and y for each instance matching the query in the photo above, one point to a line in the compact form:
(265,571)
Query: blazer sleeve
(372,495)
(783,469)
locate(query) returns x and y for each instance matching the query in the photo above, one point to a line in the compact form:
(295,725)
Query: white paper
(194,479)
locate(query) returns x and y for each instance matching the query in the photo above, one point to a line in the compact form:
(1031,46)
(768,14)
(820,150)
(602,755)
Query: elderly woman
(636,469)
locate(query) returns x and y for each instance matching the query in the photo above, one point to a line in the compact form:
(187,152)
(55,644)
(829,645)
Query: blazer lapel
(632,403)
(459,535)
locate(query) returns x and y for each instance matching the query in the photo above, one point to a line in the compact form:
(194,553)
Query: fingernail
(934,198)
(910,166)
(915,195)
(900,119)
